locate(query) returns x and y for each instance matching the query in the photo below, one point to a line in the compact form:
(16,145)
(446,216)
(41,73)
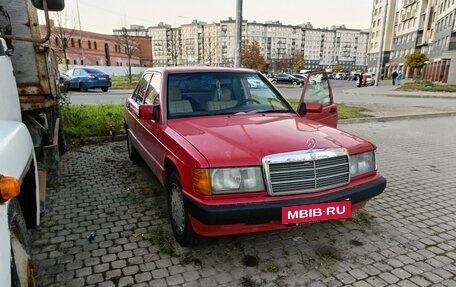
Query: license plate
(316,212)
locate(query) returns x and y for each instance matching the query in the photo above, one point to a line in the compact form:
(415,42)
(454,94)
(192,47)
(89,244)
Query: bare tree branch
(62,35)
(128,46)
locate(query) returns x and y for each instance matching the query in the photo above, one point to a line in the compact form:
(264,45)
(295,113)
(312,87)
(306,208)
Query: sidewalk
(389,112)
(385,88)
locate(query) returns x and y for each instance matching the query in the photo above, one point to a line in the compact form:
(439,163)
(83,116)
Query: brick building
(94,49)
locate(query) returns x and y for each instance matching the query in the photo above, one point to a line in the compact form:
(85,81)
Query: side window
(77,72)
(141,89)
(317,90)
(153,93)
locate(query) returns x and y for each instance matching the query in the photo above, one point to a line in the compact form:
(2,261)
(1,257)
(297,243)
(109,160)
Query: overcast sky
(102,16)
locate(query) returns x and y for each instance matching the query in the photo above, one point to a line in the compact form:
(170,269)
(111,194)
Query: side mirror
(145,112)
(53,5)
(311,108)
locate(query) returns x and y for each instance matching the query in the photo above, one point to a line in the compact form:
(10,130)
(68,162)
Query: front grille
(306,171)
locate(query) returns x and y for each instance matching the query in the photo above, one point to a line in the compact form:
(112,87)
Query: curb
(349,92)
(397,118)
(97,140)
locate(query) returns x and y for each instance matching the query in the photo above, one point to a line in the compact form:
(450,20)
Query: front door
(318,90)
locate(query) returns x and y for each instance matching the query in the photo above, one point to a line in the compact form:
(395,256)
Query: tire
(178,215)
(132,152)
(294,83)
(274,81)
(104,89)
(61,133)
(19,235)
(83,87)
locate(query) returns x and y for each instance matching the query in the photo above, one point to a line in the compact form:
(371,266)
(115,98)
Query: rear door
(131,108)
(317,89)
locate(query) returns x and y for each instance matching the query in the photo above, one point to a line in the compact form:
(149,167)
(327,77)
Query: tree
(416,60)
(128,45)
(62,35)
(251,56)
(337,68)
(298,62)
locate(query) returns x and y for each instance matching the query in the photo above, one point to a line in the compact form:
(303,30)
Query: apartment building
(426,26)
(214,44)
(381,34)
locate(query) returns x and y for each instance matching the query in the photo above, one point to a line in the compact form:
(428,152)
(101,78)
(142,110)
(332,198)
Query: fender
(16,158)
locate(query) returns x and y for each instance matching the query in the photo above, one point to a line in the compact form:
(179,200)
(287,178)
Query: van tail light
(9,188)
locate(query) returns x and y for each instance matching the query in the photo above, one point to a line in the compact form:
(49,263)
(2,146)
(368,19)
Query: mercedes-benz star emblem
(311,143)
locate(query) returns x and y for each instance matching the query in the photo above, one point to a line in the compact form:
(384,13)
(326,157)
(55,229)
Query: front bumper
(263,212)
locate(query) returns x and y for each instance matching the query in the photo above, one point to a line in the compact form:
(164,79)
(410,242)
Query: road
(339,90)
(404,237)
(340,87)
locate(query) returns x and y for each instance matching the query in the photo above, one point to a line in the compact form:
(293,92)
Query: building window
(90,45)
(72,42)
(82,62)
(97,63)
(75,62)
(79,43)
(56,41)
(95,45)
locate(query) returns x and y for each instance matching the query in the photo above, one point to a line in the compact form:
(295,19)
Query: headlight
(362,163)
(229,180)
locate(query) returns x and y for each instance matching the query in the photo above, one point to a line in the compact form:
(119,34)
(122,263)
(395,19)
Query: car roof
(199,69)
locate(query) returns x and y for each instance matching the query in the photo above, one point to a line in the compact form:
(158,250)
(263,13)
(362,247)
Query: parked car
(286,79)
(339,76)
(236,159)
(88,78)
(369,81)
(301,76)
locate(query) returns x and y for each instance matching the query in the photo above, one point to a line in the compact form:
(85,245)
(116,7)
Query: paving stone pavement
(404,237)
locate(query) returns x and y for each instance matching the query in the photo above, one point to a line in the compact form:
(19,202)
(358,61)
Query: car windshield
(206,94)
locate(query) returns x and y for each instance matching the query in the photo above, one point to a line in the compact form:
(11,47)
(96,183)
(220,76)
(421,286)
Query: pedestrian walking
(394,76)
(399,77)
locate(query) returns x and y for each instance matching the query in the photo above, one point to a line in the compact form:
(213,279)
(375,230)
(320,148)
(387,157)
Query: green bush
(123,82)
(82,121)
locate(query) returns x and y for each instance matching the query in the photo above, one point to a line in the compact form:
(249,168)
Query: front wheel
(294,83)
(182,228)
(104,89)
(83,87)
(22,269)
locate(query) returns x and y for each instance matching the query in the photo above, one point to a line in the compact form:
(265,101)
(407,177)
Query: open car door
(317,102)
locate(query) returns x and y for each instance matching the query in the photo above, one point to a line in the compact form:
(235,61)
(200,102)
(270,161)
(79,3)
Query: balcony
(407,16)
(408,3)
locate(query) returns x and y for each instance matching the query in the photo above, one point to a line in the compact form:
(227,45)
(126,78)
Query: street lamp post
(80,33)
(380,54)
(238,46)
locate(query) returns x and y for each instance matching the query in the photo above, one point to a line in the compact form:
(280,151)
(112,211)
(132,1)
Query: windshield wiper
(266,111)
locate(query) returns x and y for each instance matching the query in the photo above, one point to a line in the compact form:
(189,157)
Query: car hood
(245,139)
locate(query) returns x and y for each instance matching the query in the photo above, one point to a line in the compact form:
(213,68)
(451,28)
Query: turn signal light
(9,187)
(201,181)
